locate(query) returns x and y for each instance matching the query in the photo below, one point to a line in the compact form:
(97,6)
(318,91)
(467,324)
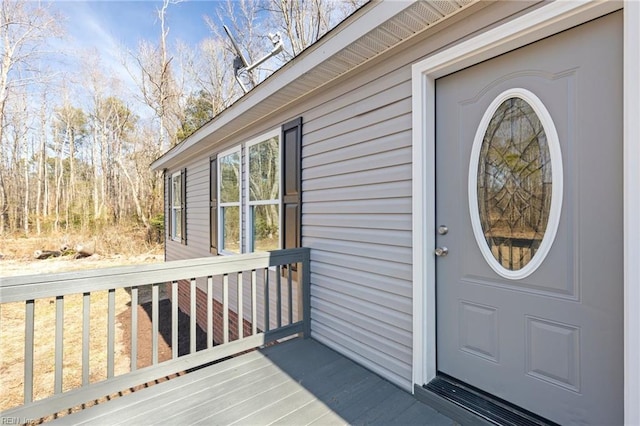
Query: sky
(105,24)
(112,27)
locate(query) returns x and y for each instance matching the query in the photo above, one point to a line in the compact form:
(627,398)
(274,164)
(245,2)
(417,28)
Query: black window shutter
(213,204)
(291,184)
(183,205)
(169,210)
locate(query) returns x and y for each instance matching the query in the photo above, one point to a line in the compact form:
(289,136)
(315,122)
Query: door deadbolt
(442,229)
(441,251)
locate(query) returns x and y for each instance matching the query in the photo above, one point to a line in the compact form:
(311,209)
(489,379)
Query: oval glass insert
(514,195)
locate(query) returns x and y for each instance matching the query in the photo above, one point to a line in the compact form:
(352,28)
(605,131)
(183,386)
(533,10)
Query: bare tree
(77,154)
(211,79)
(154,74)
(72,122)
(42,158)
(304,22)
(94,85)
(300,24)
(243,19)
(15,159)
(25,29)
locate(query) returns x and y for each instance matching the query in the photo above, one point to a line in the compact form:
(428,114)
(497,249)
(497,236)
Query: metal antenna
(241,65)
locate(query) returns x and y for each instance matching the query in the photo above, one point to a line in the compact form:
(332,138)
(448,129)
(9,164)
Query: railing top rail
(28,287)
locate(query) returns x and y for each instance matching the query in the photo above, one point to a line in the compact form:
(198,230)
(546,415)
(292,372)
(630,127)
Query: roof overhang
(371,31)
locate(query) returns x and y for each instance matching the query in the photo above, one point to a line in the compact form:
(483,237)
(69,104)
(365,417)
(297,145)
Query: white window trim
(221,250)
(244,204)
(535,25)
(175,237)
(263,137)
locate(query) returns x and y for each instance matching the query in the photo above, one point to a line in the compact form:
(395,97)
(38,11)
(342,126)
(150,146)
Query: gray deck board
(381,414)
(249,369)
(299,382)
(304,414)
(416,414)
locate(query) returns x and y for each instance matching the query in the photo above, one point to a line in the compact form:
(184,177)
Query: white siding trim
(631,136)
(538,24)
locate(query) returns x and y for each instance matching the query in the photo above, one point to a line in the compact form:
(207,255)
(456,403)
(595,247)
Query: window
(261,203)
(230,172)
(255,198)
(263,193)
(177,225)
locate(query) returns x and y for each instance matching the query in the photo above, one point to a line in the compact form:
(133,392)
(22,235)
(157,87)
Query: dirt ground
(20,266)
(164,333)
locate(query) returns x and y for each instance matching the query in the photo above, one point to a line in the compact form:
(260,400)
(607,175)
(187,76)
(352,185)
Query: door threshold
(469,405)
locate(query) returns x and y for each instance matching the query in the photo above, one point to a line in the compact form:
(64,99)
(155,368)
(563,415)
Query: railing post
(254,302)
(267,299)
(306,292)
(193,316)
(29,325)
(59,339)
(155,307)
(134,328)
(209,312)
(240,313)
(225,308)
(174,319)
(111,332)
(279,296)
(86,335)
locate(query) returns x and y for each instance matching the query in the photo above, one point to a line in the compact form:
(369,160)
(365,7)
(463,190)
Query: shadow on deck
(297,382)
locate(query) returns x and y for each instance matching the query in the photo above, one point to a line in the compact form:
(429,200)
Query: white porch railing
(268,285)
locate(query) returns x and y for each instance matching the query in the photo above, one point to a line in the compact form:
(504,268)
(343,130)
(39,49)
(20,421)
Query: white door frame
(539,23)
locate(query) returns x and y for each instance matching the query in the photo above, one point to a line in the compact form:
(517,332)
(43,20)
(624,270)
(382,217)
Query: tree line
(77,140)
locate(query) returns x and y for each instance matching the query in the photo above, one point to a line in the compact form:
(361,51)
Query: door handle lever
(441,251)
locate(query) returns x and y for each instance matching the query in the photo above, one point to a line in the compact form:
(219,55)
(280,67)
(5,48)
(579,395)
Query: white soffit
(317,66)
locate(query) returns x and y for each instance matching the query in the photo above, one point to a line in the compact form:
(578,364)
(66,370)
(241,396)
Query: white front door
(529,194)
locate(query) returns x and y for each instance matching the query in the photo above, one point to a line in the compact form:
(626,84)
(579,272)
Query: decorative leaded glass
(514,184)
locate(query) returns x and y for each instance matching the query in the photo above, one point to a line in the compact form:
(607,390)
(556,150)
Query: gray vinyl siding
(356,218)
(197,214)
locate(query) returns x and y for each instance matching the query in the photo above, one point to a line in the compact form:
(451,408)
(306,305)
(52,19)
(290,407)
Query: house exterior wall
(197,214)
(356,218)
(357,203)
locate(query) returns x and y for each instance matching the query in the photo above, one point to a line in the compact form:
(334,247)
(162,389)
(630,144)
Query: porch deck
(297,382)
(287,379)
